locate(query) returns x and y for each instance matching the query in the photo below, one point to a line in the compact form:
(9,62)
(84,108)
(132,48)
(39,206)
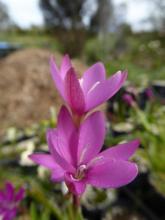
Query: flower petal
(10,214)
(105,90)
(43,159)
(57,176)
(65,127)
(64,116)
(121,151)
(65,148)
(69,133)
(91,139)
(65,66)
(48,161)
(94,74)
(111,173)
(9,191)
(20,194)
(2,196)
(74,93)
(56,77)
(55,143)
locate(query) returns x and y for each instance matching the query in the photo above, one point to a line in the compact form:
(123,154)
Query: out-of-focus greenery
(142,54)
(153,140)
(71,42)
(149,126)
(32,38)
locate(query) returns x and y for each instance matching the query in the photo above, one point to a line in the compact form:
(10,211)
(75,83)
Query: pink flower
(149,93)
(88,92)
(128,99)
(9,201)
(75,155)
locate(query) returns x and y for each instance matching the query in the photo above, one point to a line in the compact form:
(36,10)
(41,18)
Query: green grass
(138,75)
(28,39)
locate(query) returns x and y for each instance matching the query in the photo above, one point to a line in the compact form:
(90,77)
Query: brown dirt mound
(26,88)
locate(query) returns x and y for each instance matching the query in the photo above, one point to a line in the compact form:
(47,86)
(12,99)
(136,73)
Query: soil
(26,88)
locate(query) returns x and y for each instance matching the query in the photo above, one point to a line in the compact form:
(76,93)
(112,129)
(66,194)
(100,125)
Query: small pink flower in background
(149,93)
(128,99)
(88,92)
(75,155)
(9,201)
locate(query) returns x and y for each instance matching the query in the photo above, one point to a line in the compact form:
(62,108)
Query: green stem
(76,202)
(76,209)
(38,195)
(142,118)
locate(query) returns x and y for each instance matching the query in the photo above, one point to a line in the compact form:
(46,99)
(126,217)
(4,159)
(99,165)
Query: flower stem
(76,202)
(75,211)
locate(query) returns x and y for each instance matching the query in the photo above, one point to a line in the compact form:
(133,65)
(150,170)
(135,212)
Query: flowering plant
(9,201)
(75,144)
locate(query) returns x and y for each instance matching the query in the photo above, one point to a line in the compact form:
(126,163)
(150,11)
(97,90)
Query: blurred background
(123,34)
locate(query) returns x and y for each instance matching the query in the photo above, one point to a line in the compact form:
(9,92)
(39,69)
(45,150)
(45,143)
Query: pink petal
(55,143)
(10,215)
(91,139)
(65,125)
(74,93)
(69,133)
(43,159)
(105,90)
(65,141)
(2,196)
(94,74)
(66,128)
(111,173)
(57,175)
(9,191)
(58,142)
(48,161)
(56,77)
(73,144)
(77,187)
(121,151)
(65,66)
